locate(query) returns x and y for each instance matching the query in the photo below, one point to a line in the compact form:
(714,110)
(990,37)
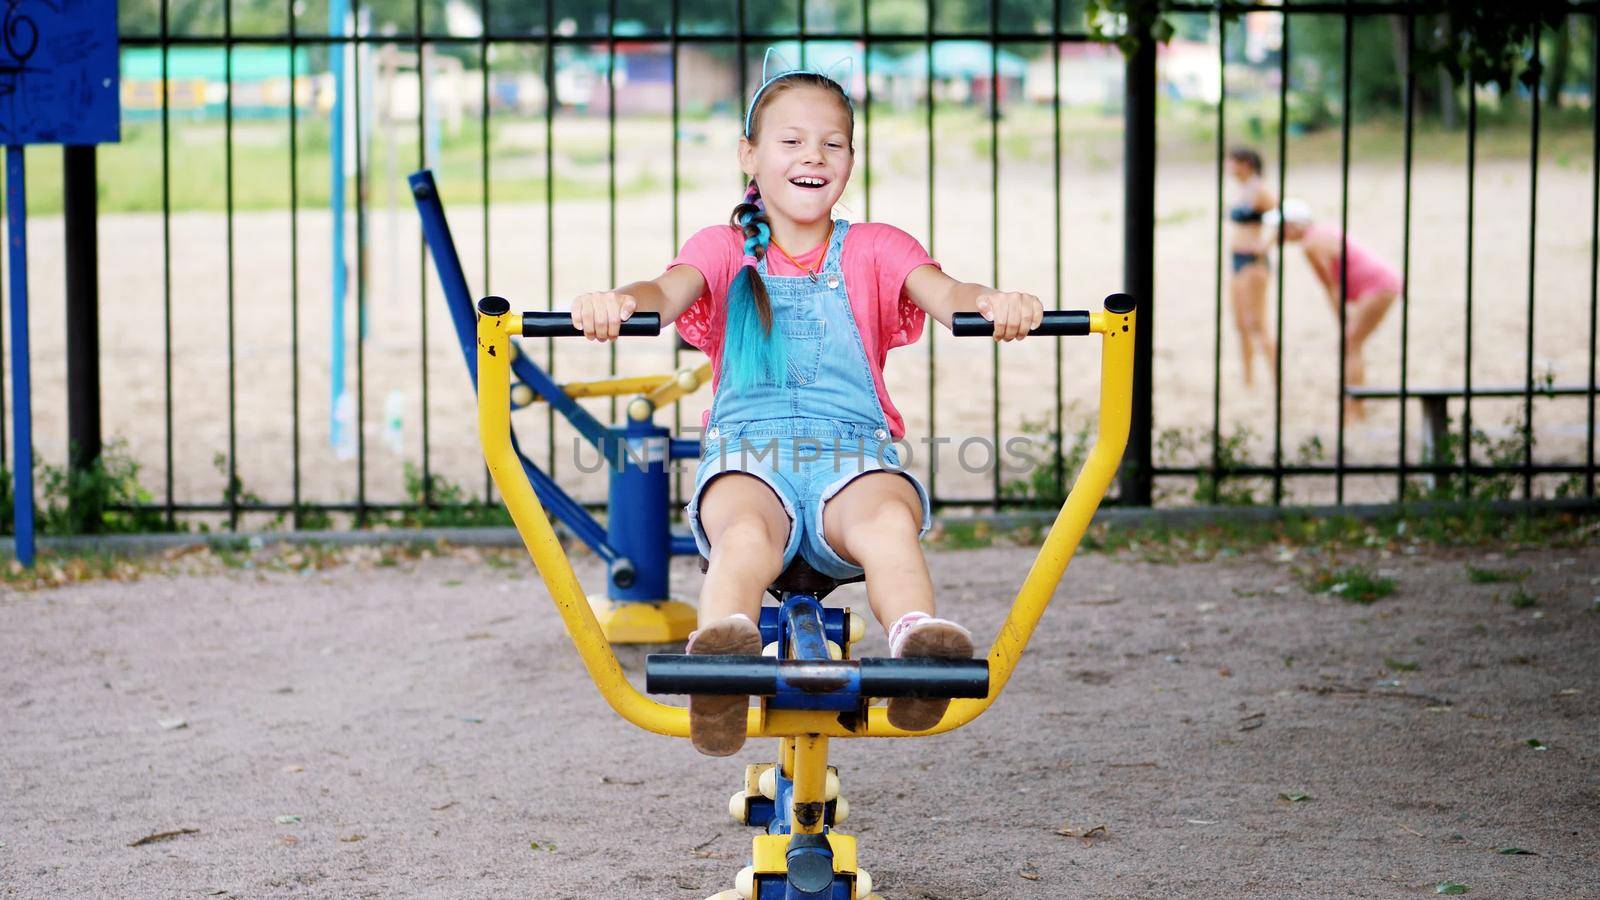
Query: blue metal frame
(636,542)
(772,622)
(776,887)
(802,627)
(21,380)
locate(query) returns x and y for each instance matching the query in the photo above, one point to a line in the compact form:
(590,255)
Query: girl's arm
(600,315)
(1321,260)
(937,294)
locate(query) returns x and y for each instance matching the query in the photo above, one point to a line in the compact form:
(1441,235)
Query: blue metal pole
(804,618)
(640,507)
(337,12)
(21,406)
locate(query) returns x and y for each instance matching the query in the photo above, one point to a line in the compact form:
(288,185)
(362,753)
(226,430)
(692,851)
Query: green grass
(1521,599)
(1480,575)
(959,535)
(220,554)
(1153,541)
(1358,584)
(55,570)
(130,172)
(447,506)
(1472,526)
(1565,138)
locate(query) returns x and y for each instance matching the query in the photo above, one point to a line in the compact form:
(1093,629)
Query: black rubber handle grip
(559,324)
(1057,323)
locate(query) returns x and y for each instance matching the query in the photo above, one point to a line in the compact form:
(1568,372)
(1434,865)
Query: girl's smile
(800,157)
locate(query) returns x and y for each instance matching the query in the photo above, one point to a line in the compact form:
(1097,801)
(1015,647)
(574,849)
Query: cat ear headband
(774,67)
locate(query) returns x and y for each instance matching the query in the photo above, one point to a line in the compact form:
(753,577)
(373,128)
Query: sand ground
(430,731)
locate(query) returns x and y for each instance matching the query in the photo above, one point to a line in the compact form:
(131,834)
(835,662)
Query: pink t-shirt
(1366,273)
(877,259)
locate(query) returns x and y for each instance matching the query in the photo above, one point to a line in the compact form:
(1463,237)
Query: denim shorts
(804,462)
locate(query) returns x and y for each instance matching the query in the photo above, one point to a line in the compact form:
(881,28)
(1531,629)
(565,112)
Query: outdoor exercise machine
(809,694)
(637,542)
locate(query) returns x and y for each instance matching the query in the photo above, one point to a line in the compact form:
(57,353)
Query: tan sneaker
(919,634)
(717,722)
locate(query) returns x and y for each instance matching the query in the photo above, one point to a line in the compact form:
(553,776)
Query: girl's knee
(893,521)
(744,502)
(749,534)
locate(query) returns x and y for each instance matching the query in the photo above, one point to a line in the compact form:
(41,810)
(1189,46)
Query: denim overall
(815,432)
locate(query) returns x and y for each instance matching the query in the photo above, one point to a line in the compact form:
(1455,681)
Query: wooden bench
(1435,416)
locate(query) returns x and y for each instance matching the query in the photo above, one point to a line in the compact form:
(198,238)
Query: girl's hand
(1013,314)
(600,315)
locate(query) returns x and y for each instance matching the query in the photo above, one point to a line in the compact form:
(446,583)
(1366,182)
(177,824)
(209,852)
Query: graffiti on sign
(58,72)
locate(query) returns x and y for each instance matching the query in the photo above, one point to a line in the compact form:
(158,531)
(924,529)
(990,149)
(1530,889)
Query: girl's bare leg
(1249,294)
(1238,298)
(1258,316)
(873,523)
(1361,319)
(748,529)
(1365,315)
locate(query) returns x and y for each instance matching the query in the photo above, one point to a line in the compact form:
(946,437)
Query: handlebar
(559,324)
(1056,323)
(766,676)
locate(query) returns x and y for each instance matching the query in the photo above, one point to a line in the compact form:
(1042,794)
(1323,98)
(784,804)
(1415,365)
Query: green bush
(1039,485)
(81,501)
(440,503)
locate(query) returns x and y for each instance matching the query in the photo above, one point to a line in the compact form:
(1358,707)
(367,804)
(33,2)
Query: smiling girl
(798,312)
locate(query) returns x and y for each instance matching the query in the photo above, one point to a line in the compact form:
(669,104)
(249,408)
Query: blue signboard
(58,72)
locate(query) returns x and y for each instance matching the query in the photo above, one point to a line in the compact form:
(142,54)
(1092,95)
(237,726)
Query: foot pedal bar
(764,676)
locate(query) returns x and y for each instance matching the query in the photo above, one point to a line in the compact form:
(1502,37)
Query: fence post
(83,322)
(1138,241)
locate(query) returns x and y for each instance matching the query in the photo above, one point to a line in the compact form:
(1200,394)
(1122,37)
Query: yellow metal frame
(644,621)
(494,430)
(658,389)
(769,854)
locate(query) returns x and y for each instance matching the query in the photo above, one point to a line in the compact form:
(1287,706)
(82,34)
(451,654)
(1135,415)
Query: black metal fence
(545,50)
(1447,452)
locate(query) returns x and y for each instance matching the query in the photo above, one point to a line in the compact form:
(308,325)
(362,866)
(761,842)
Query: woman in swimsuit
(1370,284)
(1247,289)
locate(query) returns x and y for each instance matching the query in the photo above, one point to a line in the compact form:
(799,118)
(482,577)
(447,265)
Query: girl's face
(801,158)
(1240,170)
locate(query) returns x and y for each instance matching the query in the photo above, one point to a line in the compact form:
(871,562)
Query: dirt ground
(425,730)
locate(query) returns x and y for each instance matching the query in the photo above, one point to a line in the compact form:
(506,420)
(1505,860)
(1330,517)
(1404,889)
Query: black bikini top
(1245,215)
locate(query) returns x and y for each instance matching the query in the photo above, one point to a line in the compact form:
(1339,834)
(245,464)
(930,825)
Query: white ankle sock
(901,628)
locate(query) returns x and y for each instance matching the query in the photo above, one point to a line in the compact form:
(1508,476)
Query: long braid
(751,218)
(748,347)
